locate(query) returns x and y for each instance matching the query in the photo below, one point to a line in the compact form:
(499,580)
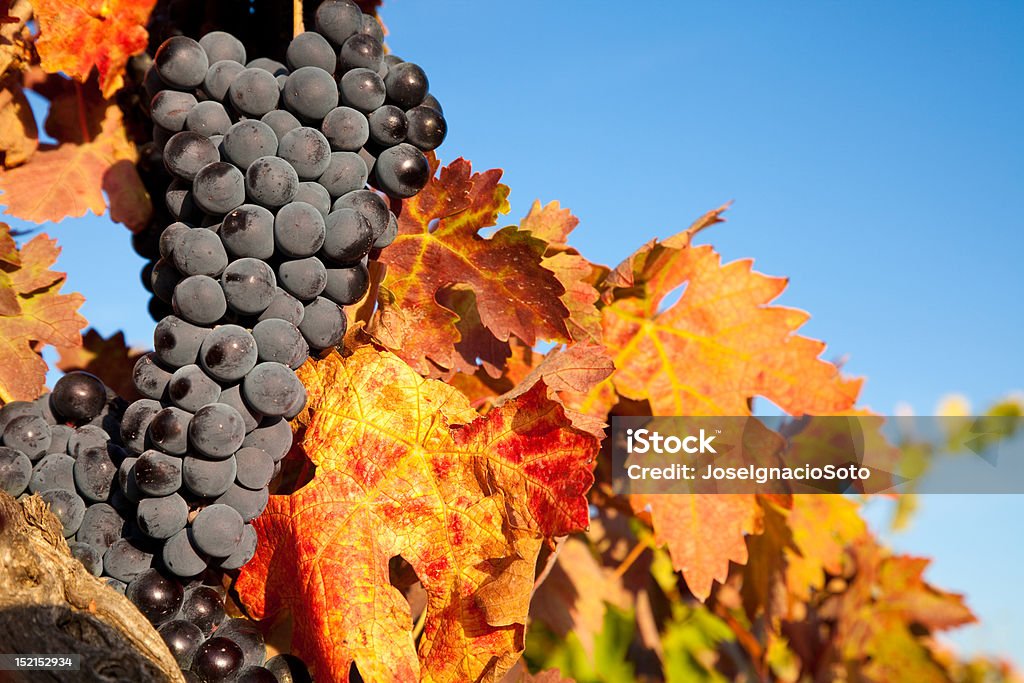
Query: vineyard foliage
(447,506)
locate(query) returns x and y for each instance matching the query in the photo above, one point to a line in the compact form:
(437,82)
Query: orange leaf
(69,180)
(439,248)
(703,532)
(33,312)
(718,346)
(77,35)
(109,359)
(405,467)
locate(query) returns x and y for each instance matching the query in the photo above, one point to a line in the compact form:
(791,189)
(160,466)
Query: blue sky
(873,150)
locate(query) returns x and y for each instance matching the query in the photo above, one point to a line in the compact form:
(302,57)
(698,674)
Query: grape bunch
(277,181)
(66,447)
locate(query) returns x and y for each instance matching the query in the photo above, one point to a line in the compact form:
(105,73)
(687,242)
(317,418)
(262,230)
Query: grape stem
(297,25)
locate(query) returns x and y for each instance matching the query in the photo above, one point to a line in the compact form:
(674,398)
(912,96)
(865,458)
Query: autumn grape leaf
(112,360)
(32,311)
(77,35)
(822,526)
(578,276)
(69,179)
(718,346)
(884,612)
(439,249)
(406,467)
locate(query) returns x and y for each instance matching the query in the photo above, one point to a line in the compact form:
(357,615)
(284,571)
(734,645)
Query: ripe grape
(190,388)
(245,551)
(54,471)
(228,353)
(388,125)
(346,129)
(361,51)
(281,121)
(185,154)
(274,435)
(67,506)
(156,473)
(222,46)
(255,674)
(346,172)
(219,187)
(162,517)
(431,102)
(125,559)
(101,526)
(15,471)
(316,196)
(180,201)
(255,468)
(157,597)
(83,438)
(208,118)
(370,25)
(249,284)
(60,434)
(348,236)
(310,93)
(427,128)
(94,473)
(248,231)
(402,171)
(285,307)
(78,396)
(249,504)
(217,530)
(199,299)
(182,639)
(254,92)
(180,556)
(323,324)
(272,389)
(170,109)
(200,252)
(346,286)
(208,478)
(14,409)
(362,90)
(303,278)
(176,342)
(247,636)
(217,659)
(29,434)
(310,49)
(232,396)
(298,231)
(247,141)
(135,423)
(204,608)
(281,342)
(168,431)
(271,66)
(271,181)
(406,84)
(370,205)
(163,279)
(219,78)
(338,20)
(217,430)
(307,150)
(181,62)
(126,480)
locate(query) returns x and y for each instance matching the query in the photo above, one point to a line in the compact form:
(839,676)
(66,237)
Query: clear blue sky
(874,151)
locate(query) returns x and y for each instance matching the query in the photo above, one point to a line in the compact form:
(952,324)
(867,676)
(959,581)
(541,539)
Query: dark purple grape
(338,20)
(90,557)
(247,636)
(361,51)
(310,93)
(203,607)
(29,434)
(183,639)
(362,90)
(125,559)
(78,396)
(149,378)
(218,659)
(94,473)
(156,473)
(187,152)
(427,128)
(346,286)
(311,49)
(53,471)
(15,471)
(180,556)
(219,78)
(406,85)
(157,597)
(388,125)
(274,435)
(135,423)
(402,171)
(220,45)
(67,506)
(181,62)
(208,478)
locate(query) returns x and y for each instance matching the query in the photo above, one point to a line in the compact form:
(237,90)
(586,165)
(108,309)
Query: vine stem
(297,24)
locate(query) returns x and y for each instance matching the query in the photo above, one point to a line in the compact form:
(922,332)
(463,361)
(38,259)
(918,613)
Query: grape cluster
(277,186)
(66,447)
